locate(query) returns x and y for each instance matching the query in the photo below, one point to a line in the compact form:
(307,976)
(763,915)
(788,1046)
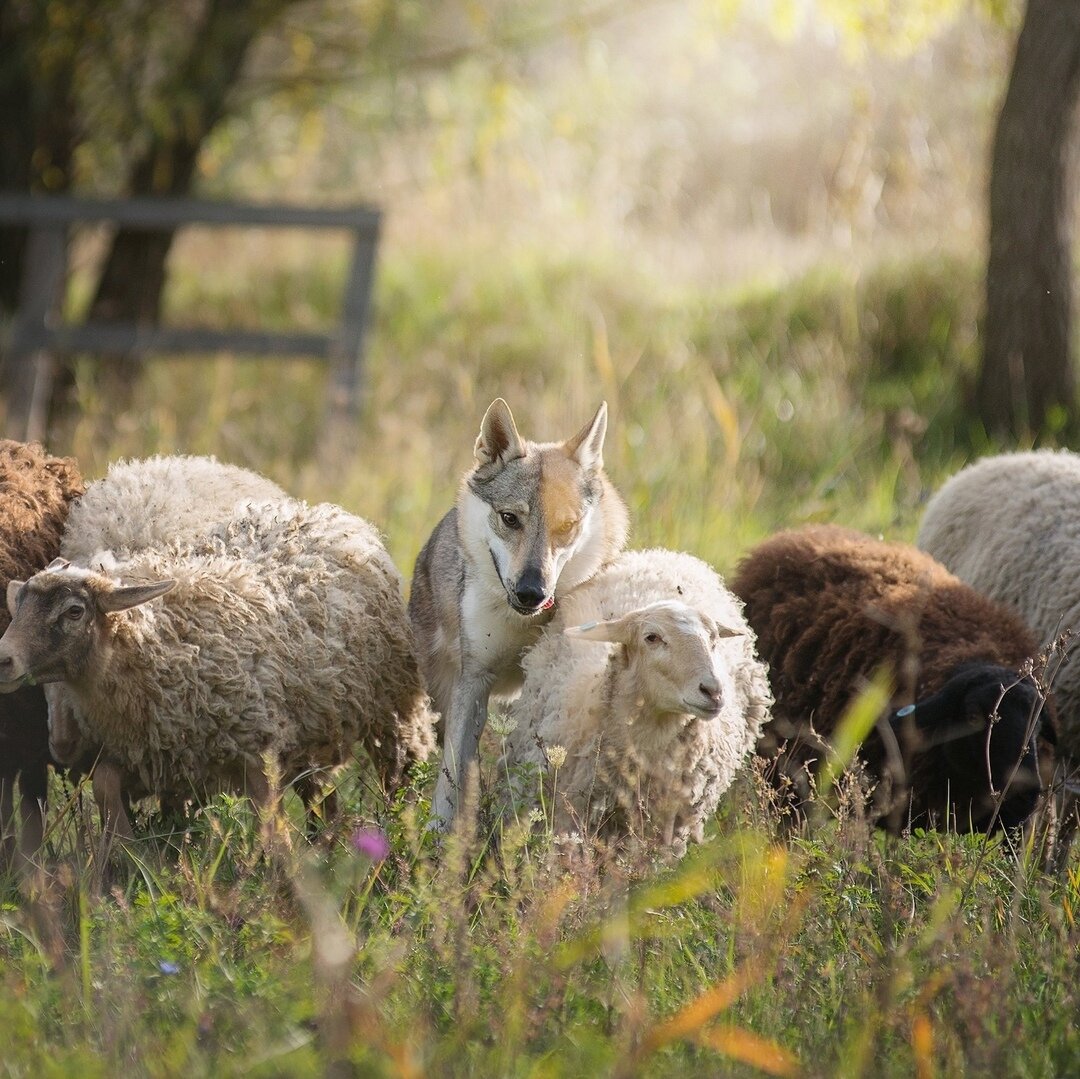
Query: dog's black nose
(529,590)
(529,595)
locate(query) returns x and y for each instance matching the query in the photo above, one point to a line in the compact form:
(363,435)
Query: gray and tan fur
(532,521)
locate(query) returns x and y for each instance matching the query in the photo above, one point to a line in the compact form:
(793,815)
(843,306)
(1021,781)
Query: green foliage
(830,395)
(219,951)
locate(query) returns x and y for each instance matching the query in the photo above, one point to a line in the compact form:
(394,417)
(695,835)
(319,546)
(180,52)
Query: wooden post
(28,373)
(40,328)
(339,437)
(348,349)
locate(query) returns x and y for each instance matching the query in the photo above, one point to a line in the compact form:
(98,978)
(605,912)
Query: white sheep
(656,724)
(137,505)
(155,501)
(1009,526)
(279,643)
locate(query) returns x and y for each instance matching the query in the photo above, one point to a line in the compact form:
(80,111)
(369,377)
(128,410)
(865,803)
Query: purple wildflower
(371,842)
(168,968)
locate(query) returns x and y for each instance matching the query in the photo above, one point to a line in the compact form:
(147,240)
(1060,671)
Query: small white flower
(535,816)
(556,756)
(503,724)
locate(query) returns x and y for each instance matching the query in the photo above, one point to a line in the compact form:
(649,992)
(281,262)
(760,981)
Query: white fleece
(1010,526)
(624,763)
(157,500)
(286,634)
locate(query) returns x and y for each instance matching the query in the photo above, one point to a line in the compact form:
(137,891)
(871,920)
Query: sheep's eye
(653,638)
(511,520)
(74,612)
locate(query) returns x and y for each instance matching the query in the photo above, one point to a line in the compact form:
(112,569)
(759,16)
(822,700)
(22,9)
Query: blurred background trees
(715,138)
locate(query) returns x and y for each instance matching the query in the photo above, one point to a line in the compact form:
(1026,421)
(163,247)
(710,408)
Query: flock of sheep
(183,626)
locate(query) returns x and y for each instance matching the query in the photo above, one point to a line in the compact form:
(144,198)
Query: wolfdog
(532,520)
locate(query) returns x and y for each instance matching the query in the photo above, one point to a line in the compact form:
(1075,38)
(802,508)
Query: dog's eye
(511,520)
(567,532)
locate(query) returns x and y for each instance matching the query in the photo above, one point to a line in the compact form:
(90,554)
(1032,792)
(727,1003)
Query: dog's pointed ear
(13,595)
(616,631)
(587,446)
(498,439)
(132,595)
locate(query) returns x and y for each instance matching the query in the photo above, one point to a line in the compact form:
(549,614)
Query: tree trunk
(16,145)
(38,134)
(38,137)
(132,278)
(1026,383)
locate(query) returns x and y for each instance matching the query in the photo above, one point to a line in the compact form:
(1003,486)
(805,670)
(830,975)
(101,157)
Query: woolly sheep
(655,725)
(36,490)
(138,505)
(147,503)
(1010,527)
(830,606)
(279,643)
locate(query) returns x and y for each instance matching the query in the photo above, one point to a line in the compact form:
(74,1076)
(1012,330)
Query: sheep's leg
(33,788)
(318,810)
(109,795)
(7,819)
(257,788)
(266,797)
(1067,808)
(669,829)
(461,745)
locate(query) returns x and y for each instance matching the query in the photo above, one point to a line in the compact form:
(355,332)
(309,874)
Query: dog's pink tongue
(548,605)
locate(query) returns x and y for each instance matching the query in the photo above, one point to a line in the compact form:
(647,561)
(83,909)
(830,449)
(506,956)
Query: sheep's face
(983,725)
(1003,727)
(56,618)
(675,652)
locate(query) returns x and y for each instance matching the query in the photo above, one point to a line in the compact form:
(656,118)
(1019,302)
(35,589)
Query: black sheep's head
(976,738)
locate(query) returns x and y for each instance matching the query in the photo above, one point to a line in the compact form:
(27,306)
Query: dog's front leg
(461,744)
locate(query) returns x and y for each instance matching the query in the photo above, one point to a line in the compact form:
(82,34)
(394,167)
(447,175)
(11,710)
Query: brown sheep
(830,606)
(36,491)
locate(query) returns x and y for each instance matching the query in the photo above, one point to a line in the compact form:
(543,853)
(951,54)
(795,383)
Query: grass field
(832,395)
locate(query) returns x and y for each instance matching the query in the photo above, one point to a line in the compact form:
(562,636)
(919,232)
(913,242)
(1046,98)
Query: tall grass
(835,394)
(221,950)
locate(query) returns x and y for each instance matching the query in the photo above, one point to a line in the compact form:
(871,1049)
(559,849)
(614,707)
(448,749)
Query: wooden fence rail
(39,330)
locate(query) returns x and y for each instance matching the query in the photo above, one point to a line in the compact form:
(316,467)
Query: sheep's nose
(7,668)
(710,689)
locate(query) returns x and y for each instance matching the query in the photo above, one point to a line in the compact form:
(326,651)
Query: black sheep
(830,607)
(35,493)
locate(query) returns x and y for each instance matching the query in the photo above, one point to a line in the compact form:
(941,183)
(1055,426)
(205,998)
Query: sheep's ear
(617,631)
(727,631)
(132,595)
(587,446)
(498,439)
(57,563)
(13,595)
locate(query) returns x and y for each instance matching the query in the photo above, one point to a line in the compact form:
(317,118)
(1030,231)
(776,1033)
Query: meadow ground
(834,395)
